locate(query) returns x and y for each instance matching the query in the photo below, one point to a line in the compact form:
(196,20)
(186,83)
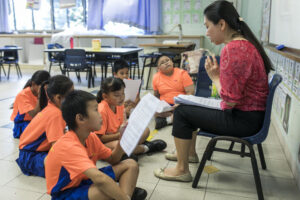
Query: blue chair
(203,85)
(75,61)
(11,57)
(103,61)
(258,138)
(1,67)
(55,58)
(133,60)
(149,61)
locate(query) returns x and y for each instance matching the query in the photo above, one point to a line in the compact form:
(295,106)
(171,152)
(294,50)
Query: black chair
(55,58)
(75,61)
(149,61)
(103,61)
(258,138)
(1,67)
(133,60)
(11,57)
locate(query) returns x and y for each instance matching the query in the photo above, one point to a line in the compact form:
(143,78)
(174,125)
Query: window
(69,17)
(23,15)
(42,17)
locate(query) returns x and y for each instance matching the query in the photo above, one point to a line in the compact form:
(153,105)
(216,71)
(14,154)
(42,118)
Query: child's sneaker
(139,194)
(155,145)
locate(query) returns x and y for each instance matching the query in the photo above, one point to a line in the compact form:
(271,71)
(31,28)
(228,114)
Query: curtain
(4,16)
(139,13)
(94,14)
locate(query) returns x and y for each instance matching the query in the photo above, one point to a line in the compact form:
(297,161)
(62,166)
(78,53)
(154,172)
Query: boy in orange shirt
(26,104)
(70,166)
(168,83)
(45,128)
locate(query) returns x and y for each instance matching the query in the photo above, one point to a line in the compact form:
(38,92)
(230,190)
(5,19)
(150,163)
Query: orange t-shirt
(169,87)
(46,127)
(68,159)
(25,101)
(110,121)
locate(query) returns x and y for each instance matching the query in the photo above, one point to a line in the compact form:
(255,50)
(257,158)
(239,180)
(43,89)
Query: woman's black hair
(58,84)
(110,84)
(120,64)
(75,103)
(38,78)
(225,10)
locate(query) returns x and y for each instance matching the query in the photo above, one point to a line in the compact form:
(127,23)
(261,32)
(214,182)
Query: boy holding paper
(70,166)
(120,70)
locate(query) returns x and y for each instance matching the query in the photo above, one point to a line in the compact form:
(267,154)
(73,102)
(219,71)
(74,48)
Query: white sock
(146,148)
(169,120)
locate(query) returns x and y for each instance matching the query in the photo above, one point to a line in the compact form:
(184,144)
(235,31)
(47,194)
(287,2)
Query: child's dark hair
(225,10)
(75,103)
(120,64)
(158,58)
(58,84)
(38,78)
(111,84)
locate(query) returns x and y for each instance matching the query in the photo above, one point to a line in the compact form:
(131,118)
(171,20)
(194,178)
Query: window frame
(52,17)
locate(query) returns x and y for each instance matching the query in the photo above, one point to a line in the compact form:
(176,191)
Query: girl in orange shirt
(26,104)
(111,107)
(45,128)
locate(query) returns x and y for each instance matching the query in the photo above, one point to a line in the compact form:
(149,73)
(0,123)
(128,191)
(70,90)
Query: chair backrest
(75,59)
(263,133)
(203,86)
(11,55)
(55,56)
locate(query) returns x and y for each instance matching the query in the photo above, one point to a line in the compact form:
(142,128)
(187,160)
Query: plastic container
(71,42)
(96,44)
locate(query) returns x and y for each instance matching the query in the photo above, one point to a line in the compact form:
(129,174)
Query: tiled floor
(234,181)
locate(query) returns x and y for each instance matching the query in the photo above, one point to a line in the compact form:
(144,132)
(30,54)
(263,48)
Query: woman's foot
(172,174)
(173,156)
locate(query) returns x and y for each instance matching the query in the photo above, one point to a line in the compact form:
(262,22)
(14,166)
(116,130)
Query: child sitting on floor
(26,104)
(70,166)
(45,128)
(111,107)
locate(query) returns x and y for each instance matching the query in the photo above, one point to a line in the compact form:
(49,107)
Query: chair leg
(242,150)
(8,72)
(231,146)
(208,151)
(150,68)
(18,69)
(50,67)
(261,156)
(256,173)
(210,154)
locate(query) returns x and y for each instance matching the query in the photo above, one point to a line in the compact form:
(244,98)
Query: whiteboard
(285,23)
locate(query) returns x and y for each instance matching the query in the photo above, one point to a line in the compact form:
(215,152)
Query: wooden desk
(160,45)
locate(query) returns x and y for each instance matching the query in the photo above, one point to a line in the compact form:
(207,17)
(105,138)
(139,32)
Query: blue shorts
(81,192)
(19,127)
(32,162)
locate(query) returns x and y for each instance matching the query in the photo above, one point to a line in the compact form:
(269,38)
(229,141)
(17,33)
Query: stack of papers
(198,101)
(163,107)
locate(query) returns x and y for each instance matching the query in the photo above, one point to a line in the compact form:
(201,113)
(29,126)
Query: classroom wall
(189,13)
(286,121)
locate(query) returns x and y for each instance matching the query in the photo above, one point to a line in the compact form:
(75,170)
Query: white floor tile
(9,193)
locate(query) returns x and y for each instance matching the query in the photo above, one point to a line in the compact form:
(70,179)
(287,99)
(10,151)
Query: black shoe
(132,156)
(155,145)
(139,194)
(160,122)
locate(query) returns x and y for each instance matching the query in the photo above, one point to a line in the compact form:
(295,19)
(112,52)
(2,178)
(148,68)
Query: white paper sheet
(138,121)
(198,101)
(163,107)
(131,89)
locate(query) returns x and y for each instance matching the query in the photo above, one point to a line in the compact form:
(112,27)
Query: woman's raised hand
(212,68)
